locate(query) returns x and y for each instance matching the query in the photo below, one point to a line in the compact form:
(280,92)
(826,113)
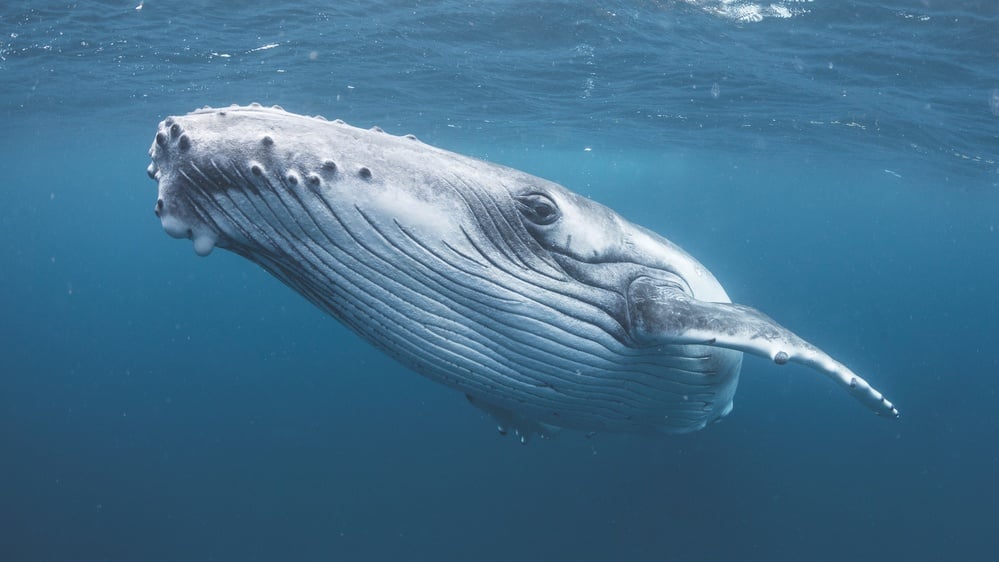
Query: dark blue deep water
(835,163)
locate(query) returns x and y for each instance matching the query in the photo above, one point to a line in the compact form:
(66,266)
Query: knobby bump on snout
(546,309)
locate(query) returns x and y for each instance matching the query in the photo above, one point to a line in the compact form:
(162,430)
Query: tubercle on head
(172,139)
(179,147)
(258,107)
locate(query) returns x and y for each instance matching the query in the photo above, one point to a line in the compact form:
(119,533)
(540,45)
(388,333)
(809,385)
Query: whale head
(253,179)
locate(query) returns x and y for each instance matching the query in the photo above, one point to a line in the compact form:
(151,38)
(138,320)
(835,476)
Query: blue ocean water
(835,164)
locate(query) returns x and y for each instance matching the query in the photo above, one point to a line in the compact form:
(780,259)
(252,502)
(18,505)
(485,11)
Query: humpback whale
(543,307)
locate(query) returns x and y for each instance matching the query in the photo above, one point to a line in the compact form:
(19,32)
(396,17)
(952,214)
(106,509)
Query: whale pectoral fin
(661,313)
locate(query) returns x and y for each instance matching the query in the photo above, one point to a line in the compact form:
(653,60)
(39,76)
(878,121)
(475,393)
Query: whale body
(544,308)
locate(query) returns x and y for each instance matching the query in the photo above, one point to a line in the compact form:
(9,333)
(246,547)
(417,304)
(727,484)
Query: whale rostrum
(545,308)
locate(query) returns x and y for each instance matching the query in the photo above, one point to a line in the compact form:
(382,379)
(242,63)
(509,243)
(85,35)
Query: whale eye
(537,208)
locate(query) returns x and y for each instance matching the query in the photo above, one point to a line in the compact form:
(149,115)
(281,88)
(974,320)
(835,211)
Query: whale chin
(204,239)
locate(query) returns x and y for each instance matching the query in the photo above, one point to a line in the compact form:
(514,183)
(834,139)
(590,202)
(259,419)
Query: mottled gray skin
(543,307)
